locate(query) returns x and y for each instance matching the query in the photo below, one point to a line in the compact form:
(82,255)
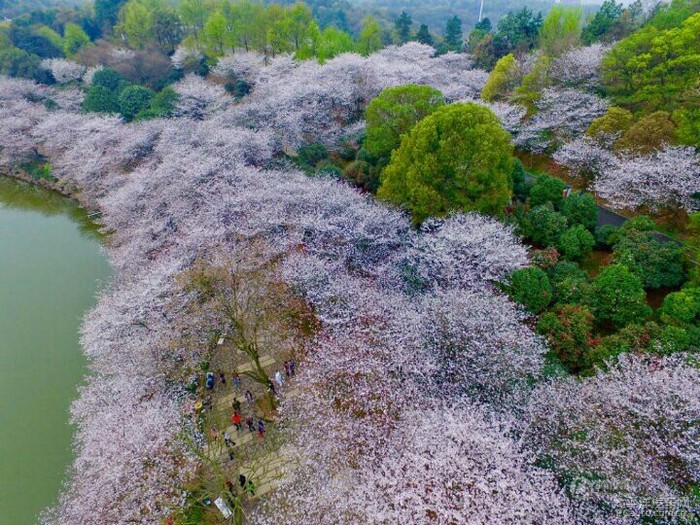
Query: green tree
(688,122)
(454,37)
(542,225)
(658,264)
(18,63)
(520,30)
(457,159)
(133,100)
(136,21)
(423,36)
(101,100)
(502,80)
(608,128)
(655,69)
(531,288)
(106,13)
(530,89)
(193,14)
(576,243)
(74,39)
(561,29)
(569,332)
(602,24)
(648,134)
(370,39)
(162,105)
(394,112)
(580,208)
(547,189)
(402,25)
(618,297)
(333,42)
(108,78)
(166,28)
(681,308)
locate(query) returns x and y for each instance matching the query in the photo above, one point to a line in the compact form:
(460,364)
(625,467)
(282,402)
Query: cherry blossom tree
(625,441)
(670,176)
(64,70)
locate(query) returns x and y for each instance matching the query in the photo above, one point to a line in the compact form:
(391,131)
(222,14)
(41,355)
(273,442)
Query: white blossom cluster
(62,70)
(563,114)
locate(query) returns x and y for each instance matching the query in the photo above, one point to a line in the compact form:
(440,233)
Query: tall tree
(454,38)
(403,27)
(456,159)
(370,39)
(423,36)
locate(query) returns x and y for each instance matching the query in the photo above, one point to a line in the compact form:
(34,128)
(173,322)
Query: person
(236,418)
(251,487)
(261,428)
(271,386)
(214,434)
(222,378)
(242,480)
(236,405)
(227,439)
(291,367)
(237,381)
(249,398)
(250,424)
(286,368)
(278,378)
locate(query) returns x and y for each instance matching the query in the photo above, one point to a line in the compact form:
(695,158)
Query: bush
(133,100)
(162,105)
(658,264)
(311,154)
(606,236)
(618,297)
(108,78)
(680,308)
(531,288)
(457,159)
(547,189)
(542,225)
(521,186)
(580,208)
(101,100)
(576,243)
(569,332)
(570,284)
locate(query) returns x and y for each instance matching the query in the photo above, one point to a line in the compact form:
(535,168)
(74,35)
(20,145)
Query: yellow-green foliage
(611,126)
(457,159)
(502,79)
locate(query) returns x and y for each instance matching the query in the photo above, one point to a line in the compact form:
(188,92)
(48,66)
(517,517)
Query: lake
(51,268)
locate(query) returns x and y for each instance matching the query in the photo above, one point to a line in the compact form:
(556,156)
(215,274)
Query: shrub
(581,208)
(658,264)
(547,189)
(133,100)
(542,225)
(576,243)
(569,332)
(531,288)
(618,297)
(606,236)
(100,99)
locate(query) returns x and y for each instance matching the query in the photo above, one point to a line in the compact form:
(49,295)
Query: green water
(51,268)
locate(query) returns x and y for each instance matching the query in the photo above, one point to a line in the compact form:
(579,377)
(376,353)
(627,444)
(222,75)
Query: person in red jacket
(236,418)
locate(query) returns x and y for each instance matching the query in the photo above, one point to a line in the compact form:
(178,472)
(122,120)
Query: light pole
(481,10)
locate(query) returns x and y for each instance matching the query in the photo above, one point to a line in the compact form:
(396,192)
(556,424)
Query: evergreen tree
(454,38)
(403,27)
(423,36)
